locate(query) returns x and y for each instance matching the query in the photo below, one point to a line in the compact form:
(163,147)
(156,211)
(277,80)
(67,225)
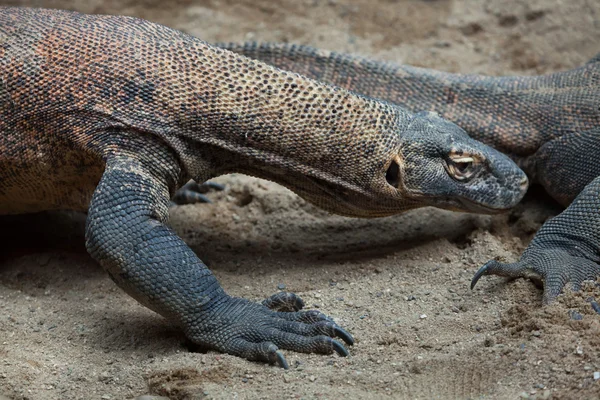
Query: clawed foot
(257,332)
(192,193)
(553,267)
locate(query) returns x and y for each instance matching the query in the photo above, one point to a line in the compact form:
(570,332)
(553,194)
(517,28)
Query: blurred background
(491,36)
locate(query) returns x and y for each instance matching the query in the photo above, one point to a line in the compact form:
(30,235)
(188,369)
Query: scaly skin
(116,113)
(549,124)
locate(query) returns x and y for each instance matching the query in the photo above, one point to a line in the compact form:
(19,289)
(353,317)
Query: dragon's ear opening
(392,176)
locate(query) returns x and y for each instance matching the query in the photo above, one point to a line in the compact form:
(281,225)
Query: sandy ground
(399,284)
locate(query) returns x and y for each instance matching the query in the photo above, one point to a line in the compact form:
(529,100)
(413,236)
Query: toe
(325,327)
(262,351)
(284,302)
(185,196)
(309,344)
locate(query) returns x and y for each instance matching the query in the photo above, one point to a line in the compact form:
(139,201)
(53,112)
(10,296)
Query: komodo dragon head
(429,161)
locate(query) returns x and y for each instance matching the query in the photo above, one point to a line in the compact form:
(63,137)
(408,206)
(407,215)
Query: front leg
(565,250)
(127,235)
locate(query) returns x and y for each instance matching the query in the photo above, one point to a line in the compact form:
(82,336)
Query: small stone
(312,378)
(317,295)
(574,315)
(106,397)
(410,298)
(244,380)
(536,333)
(235,217)
(524,395)
(596,375)
(104,377)
(422,316)
(454,309)
(281,286)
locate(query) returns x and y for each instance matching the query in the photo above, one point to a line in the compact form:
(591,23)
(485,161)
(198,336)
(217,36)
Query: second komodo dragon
(549,124)
(113,114)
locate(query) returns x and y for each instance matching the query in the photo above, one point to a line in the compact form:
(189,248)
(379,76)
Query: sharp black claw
(595,306)
(345,336)
(339,348)
(203,198)
(281,360)
(482,271)
(214,186)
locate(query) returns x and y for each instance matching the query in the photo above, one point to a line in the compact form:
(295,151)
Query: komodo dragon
(549,124)
(117,113)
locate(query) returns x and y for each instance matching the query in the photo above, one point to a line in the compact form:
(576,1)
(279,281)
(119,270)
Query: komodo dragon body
(549,124)
(112,114)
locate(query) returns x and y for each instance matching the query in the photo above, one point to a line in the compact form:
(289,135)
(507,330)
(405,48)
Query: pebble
(422,316)
(536,333)
(312,378)
(410,298)
(596,375)
(281,286)
(574,315)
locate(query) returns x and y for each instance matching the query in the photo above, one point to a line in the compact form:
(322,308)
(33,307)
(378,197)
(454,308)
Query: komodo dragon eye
(462,167)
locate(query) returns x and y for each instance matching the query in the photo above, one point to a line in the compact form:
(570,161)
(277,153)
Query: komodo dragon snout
(441,165)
